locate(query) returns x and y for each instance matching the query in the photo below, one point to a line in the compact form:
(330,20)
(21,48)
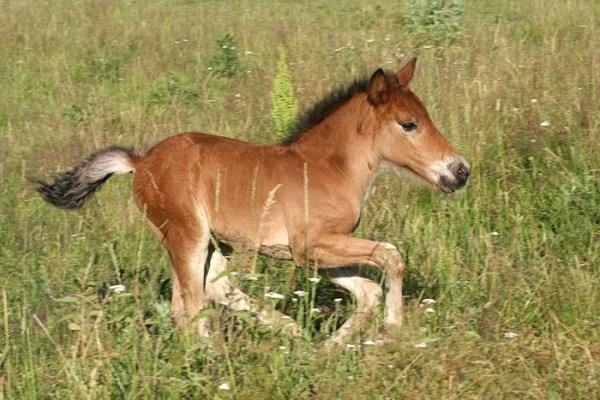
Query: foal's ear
(405,73)
(379,88)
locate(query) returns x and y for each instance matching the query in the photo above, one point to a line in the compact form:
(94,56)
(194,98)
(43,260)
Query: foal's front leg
(367,294)
(335,250)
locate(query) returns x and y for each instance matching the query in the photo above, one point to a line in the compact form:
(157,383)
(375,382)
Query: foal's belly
(268,238)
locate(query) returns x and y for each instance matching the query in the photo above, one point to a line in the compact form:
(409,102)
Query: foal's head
(407,137)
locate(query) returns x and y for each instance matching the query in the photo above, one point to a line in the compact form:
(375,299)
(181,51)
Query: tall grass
(512,261)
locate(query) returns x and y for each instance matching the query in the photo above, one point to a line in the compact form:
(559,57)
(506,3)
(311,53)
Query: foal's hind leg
(368,297)
(221,290)
(187,245)
(177,306)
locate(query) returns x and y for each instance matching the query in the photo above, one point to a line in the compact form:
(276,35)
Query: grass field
(512,262)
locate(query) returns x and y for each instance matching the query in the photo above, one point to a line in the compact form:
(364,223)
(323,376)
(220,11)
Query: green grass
(517,251)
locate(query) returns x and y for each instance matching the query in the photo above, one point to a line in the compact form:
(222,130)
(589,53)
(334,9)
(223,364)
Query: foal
(298,200)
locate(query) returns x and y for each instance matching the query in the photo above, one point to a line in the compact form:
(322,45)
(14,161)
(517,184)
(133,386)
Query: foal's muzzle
(460,171)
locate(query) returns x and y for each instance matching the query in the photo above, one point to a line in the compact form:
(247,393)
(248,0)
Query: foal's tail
(71,189)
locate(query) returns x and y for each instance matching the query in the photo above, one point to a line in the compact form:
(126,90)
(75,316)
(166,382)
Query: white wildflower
(224,386)
(117,288)
(337,300)
(545,124)
(369,342)
(274,295)
(429,310)
(494,233)
(421,345)
(300,293)
(428,301)
(511,335)
(315,279)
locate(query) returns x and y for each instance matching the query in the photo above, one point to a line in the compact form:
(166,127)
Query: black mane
(322,108)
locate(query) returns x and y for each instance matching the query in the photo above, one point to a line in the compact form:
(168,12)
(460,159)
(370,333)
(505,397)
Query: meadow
(512,261)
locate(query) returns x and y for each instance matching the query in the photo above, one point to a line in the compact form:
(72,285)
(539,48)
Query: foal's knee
(391,260)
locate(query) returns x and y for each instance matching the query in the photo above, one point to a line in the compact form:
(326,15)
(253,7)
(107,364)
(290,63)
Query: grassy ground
(512,261)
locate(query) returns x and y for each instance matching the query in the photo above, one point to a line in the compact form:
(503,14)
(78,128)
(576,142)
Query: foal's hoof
(289,326)
(384,339)
(340,343)
(393,330)
(333,342)
(279,321)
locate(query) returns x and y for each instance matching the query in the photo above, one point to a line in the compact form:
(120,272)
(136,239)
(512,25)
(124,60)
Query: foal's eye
(408,126)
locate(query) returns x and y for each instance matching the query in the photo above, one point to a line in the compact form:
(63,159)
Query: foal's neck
(345,139)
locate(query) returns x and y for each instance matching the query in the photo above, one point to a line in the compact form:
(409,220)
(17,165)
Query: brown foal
(298,200)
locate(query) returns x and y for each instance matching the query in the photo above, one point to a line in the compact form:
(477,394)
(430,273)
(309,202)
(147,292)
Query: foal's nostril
(461,172)
(455,176)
